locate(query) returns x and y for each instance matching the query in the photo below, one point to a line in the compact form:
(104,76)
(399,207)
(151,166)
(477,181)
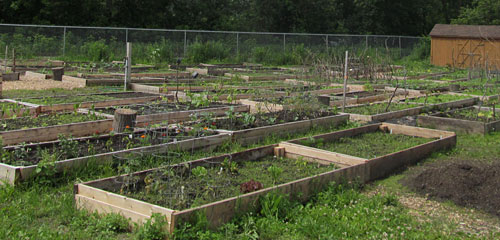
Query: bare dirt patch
(36,84)
(466,183)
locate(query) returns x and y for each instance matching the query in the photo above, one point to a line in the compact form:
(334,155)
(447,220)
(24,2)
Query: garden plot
(380,112)
(20,163)
(358,97)
(48,127)
(444,101)
(384,147)
(485,94)
(68,103)
(174,112)
(217,188)
(12,109)
(281,101)
(469,120)
(218,85)
(86,82)
(251,128)
(259,76)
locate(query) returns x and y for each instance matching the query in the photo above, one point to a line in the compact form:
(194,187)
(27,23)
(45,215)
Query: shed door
(470,53)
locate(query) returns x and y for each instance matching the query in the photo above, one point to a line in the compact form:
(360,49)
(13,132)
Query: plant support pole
(5,60)
(345,80)
(64,42)
(128,65)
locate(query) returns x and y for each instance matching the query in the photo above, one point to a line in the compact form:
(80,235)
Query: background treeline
(415,17)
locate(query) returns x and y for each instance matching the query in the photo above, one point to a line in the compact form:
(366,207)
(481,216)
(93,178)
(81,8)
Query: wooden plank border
(439,121)
(217,213)
(254,135)
(16,174)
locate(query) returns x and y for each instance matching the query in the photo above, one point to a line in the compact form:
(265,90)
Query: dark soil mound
(467,184)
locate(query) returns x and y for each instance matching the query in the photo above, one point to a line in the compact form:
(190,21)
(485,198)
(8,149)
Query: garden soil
(466,183)
(36,84)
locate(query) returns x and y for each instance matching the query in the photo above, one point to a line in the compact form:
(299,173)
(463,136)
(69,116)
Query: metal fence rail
(74,42)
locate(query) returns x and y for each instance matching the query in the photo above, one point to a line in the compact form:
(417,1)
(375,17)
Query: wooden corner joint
(279,151)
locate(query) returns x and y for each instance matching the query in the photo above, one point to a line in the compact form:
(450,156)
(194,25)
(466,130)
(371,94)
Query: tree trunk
(124,120)
(57,73)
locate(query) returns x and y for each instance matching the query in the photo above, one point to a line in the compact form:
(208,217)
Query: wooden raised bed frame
(90,195)
(453,104)
(437,121)
(384,116)
(31,108)
(105,103)
(49,133)
(254,135)
(16,174)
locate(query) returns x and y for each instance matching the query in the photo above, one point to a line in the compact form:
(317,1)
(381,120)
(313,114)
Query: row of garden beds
(216,188)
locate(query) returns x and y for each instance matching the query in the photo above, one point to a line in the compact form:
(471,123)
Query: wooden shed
(463,46)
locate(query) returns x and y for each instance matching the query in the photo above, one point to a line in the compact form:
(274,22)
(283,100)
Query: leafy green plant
(275,173)
(153,228)
(67,146)
(199,172)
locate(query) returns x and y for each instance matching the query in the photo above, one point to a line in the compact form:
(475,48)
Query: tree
(482,12)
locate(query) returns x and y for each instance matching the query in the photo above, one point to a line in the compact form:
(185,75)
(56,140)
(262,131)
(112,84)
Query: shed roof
(466,31)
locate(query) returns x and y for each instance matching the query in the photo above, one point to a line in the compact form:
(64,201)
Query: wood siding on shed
(461,53)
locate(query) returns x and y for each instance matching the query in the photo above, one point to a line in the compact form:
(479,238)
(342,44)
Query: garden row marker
(345,80)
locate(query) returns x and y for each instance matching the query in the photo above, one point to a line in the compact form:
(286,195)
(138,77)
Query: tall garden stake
(345,80)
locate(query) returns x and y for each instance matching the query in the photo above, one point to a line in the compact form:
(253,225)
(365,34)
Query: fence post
(366,42)
(400,53)
(185,42)
(327,43)
(126,35)
(237,44)
(64,42)
(284,43)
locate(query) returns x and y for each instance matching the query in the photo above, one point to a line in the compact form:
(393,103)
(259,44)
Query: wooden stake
(5,60)
(128,66)
(345,80)
(14,60)
(124,120)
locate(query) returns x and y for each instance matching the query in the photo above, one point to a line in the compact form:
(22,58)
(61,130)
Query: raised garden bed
(259,76)
(358,97)
(68,103)
(21,161)
(445,101)
(249,129)
(468,120)
(137,196)
(377,112)
(172,112)
(11,108)
(47,127)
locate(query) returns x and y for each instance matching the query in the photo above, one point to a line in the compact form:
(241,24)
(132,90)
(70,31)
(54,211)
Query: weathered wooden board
(52,132)
(80,82)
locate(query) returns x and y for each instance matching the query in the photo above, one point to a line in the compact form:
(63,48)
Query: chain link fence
(161,45)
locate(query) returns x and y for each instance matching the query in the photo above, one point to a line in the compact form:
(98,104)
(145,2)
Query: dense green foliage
(319,16)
